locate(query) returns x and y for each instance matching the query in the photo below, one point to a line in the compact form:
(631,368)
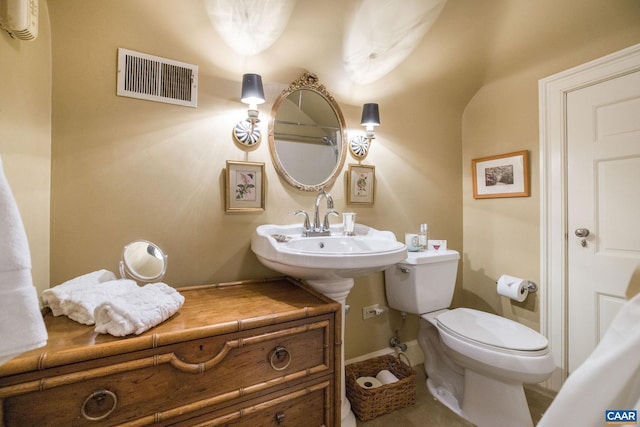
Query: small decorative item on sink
(349,223)
(281,238)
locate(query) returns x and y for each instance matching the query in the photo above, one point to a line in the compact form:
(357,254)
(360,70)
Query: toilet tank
(422,283)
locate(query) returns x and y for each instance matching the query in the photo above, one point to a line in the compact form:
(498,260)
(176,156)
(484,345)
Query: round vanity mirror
(306,135)
(143,261)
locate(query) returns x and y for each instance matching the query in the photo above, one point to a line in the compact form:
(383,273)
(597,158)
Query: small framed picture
(361,184)
(244,186)
(505,175)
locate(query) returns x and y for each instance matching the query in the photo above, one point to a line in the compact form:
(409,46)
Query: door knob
(582,232)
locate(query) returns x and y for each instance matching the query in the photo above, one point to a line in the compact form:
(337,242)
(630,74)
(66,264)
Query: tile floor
(428,412)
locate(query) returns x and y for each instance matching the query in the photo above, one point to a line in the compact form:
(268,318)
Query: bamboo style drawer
(208,365)
(299,406)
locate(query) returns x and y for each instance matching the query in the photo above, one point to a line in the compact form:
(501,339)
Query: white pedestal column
(337,290)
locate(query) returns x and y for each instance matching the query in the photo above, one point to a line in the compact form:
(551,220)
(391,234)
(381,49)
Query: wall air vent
(157,79)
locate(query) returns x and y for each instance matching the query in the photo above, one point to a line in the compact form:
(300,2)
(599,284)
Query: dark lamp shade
(252,92)
(370,115)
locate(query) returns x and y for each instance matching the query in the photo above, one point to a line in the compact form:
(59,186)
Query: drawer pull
(99,397)
(280,417)
(280,358)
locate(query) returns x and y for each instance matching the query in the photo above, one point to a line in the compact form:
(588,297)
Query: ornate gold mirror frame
(306,135)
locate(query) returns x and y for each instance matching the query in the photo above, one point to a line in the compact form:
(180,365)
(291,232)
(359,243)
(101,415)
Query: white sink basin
(283,248)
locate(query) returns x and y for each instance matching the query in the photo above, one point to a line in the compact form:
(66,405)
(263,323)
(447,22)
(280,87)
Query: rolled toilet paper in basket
(512,287)
(386,377)
(368,382)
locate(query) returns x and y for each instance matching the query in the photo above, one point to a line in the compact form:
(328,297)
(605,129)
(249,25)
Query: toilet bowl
(495,345)
(476,362)
(495,363)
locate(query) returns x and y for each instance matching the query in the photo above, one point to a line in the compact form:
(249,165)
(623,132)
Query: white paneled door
(603,206)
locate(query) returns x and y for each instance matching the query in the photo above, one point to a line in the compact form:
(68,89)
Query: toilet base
(487,402)
(444,396)
(492,403)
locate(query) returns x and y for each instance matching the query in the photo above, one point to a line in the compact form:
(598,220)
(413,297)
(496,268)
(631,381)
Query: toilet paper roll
(368,382)
(386,377)
(512,287)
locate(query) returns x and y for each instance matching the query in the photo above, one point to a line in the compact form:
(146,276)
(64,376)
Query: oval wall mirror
(306,135)
(143,261)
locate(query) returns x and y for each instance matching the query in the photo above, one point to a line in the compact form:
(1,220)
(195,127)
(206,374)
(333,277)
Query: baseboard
(555,381)
(541,389)
(413,353)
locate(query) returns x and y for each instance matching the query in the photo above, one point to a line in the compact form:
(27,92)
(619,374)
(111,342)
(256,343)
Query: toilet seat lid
(482,327)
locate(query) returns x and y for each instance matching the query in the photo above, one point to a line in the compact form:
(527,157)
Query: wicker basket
(370,403)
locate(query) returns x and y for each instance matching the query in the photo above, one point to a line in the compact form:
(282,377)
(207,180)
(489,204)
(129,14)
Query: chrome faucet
(316,228)
(316,213)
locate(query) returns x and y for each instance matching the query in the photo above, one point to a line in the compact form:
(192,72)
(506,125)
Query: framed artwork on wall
(361,184)
(504,175)
(244,186)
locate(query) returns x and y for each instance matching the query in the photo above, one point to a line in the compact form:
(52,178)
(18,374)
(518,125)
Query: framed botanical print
(244,186)
(505,175)
(361,184)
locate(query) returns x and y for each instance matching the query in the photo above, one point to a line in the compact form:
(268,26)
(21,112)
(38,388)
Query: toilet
(476,362)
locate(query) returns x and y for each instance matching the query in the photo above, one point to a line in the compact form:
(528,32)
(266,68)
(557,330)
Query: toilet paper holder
(531,286)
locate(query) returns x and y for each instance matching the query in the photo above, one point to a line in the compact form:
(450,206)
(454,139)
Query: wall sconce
(246,132)
(359,145)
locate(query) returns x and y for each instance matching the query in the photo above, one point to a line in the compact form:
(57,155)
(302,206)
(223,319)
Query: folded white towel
(53,297)
(80,304)
(21,325)
(137,311)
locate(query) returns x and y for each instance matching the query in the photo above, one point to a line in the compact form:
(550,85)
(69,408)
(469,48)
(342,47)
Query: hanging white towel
(53,297)
(21,325)
(608,379)
(81,301)
(137,311)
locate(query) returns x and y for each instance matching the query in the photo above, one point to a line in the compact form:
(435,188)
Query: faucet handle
(326,224)
(306,225)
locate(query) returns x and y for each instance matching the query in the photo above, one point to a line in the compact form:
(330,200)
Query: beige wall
(502,236)
(123,169)
(25,136)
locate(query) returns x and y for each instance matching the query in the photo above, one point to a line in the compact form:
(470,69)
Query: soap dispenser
(423,237)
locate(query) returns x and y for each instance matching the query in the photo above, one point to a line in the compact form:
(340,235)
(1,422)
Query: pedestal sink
(328,264)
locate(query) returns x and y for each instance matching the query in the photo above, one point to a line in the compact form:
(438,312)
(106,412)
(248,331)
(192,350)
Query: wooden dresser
(248,353)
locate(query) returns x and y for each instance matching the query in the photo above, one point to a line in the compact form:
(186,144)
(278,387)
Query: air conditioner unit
(19,18)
